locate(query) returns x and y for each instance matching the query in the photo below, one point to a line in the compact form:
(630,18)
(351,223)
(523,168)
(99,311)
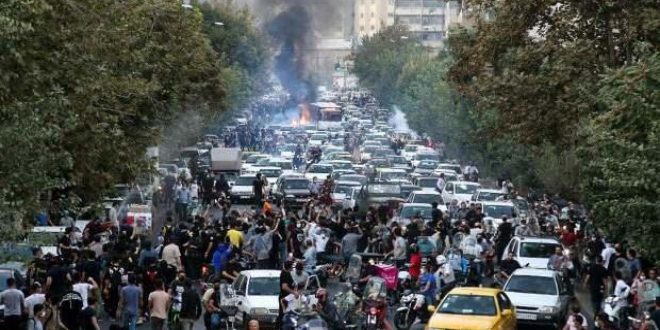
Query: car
(425,155)
(409,150)
(425,167)
(461,191)
(319,171)
(339,164)
(394,175)
(407,211)
(337,174)
(471,308)
(283,177)
(242,190)
(255,292)
(533,252)
(400,162)
(317,139)
(355,178)
(494,212)
(284,164)
(342,190)
(450,175)
(427,183)
(293,192)
(539,295)
(456,168)
(489,195)
(271,173)
(375,194)
(427,197)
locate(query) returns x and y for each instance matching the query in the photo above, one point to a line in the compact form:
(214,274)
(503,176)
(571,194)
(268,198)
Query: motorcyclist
(327,310)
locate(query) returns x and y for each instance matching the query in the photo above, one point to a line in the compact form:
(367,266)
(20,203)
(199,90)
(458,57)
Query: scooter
(615,316)
(412,310)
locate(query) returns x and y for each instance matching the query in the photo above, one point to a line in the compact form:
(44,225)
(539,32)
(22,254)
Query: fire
(305,116)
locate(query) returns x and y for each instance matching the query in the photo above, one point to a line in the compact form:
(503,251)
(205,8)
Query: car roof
(416,205)
(490,190)
(347,183)
(475,291)
(249,175)
(269,168)
(468,183)
(426,192)
(261,273)
(534,239)
(499,203)
(391,170)
(534,272)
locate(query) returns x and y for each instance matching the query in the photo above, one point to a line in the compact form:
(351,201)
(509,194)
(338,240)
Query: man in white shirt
(440,184)
(607,253)
(621,291)
(83,288)
(172,255)
(37,297)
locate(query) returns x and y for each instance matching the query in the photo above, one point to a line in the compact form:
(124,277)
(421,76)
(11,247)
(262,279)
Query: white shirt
(320,241)
(194,191)
(475,250)
(440,184)
(83,288)
(622,290)
(400,245)
(172,255)
(294,303)
(607,254)
(32,300)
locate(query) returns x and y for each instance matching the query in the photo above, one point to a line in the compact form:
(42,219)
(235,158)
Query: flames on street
(305,115)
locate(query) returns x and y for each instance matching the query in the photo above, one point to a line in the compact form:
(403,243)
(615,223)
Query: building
(428,20)
(371,16)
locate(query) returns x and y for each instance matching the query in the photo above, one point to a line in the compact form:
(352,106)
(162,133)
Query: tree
(621,154)
(87,86)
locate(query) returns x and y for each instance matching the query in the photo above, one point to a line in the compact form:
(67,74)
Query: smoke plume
(399,121)
(291,32)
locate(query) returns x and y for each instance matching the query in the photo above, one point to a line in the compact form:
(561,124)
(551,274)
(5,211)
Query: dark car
(293,193)
(376,194)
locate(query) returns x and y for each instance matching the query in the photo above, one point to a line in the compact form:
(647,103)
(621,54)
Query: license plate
(301,200)
(245,197)
(526,316)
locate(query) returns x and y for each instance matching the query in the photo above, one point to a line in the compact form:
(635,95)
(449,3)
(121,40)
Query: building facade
(371,16)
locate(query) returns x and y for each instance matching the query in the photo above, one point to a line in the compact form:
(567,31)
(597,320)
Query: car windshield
(282,165)
(343,189)
(521,204)
(393,175)
(4,275)
(318,137)
(427,165)
(296,184)
(254,158)
(412,148)
(264,286)
(270,173)
(384,189)
(468,305)
(320,169)
(427,157)
(357,178)
(427,183)
(398,160)
(408,212)
(537,250)
(342,166)
(461,188)
(531,284)
(489,195)
(245,181)
(427,198)
(498,211)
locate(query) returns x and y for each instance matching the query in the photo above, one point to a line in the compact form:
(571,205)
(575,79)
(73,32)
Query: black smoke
(291,30)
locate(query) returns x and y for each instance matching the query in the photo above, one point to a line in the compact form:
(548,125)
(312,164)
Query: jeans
(215,321)
(157,323)
(187,324)
(129,320)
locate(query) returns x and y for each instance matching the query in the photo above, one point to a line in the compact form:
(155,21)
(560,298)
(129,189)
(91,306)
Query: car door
(507,312)
(239,299)
(448,192)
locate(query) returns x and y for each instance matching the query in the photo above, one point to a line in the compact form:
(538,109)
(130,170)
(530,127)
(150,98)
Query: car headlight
(548,309)
(258,311)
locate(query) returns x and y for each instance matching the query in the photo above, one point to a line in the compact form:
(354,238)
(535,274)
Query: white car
(320,171)
(255,292)
(461,191)
(343,189)
(488,195)
(425,155)
(450,175)
(242,191)
(317,139)
(540,296)
(427,183)
(271,173)
(494,212)
(407,211)
(533,252)
(427,197)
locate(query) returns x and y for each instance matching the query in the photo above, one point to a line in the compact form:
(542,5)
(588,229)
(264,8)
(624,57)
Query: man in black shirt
(287,286)
(57,279)
(70,308)
(258,190)
(503,236)
(88,320)
(508,266)
(597,281)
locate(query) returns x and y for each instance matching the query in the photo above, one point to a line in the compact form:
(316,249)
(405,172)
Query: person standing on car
(440,184)
(258,191)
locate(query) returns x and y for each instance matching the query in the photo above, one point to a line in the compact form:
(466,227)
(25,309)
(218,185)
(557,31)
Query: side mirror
(430,308)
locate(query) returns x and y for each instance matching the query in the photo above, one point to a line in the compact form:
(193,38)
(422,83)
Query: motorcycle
(614,314)
(374,304)
(413,310)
